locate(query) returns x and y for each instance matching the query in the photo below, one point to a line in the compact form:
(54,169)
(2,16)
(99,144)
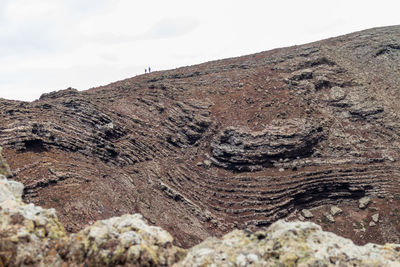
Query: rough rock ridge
(28,233)
(289,244)
(32,236)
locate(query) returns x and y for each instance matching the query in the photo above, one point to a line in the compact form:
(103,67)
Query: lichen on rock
(28,233)
(31,235)
(289,244)
(122,240)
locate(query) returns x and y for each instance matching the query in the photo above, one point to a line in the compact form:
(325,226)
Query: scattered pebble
(307,214)
(334,210)
(375,217)
(329,218)
(207,163)
(374,208)
(363,202)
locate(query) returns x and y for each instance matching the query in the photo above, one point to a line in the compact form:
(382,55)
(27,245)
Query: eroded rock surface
(125,240)
(289,244)
(33,236)
(245,150)
(28,233)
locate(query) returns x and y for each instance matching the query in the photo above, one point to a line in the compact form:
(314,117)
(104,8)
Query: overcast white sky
(47,45)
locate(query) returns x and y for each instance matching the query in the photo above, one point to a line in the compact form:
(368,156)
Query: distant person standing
(149,69)
(145,71)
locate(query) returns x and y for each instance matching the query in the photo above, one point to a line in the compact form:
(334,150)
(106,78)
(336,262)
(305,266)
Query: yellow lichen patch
(289,259)
(55,230)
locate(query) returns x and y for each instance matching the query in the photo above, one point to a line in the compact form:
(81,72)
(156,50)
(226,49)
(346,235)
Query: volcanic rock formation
(234,143)
(33,236)
(243,149)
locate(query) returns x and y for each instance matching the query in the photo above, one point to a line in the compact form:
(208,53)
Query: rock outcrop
(33,236)
(28,233)
(118,241)
(245,150)
(289,244)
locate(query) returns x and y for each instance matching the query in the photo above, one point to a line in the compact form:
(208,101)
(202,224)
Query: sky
(48,45)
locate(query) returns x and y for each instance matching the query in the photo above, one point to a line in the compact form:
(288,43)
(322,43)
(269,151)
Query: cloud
(34,38)
(44,26)
(2,10)
(170,28)
(27,28)
(166,28)
(79,8)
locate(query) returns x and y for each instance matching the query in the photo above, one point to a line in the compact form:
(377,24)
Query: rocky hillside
(33,236)
(234,143)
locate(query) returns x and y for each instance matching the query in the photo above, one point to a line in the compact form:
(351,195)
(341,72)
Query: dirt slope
(234,143)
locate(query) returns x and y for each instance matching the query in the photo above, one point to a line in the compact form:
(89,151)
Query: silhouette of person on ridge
(149,69)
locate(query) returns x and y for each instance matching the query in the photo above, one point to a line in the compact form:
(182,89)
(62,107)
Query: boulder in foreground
(33,236)
(289,244)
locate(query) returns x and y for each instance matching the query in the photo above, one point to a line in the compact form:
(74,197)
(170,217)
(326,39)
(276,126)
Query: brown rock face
(240,142)
(243,149)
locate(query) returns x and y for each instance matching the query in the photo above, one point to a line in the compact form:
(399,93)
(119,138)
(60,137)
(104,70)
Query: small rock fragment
(372,224)
(363,202)
(337,93)
(207,163)
(307,214)
(328,217)
(334,210)
(373,209)
(375,217)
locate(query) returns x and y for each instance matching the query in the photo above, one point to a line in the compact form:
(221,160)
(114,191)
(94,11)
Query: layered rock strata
(245,150)
(234,143)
